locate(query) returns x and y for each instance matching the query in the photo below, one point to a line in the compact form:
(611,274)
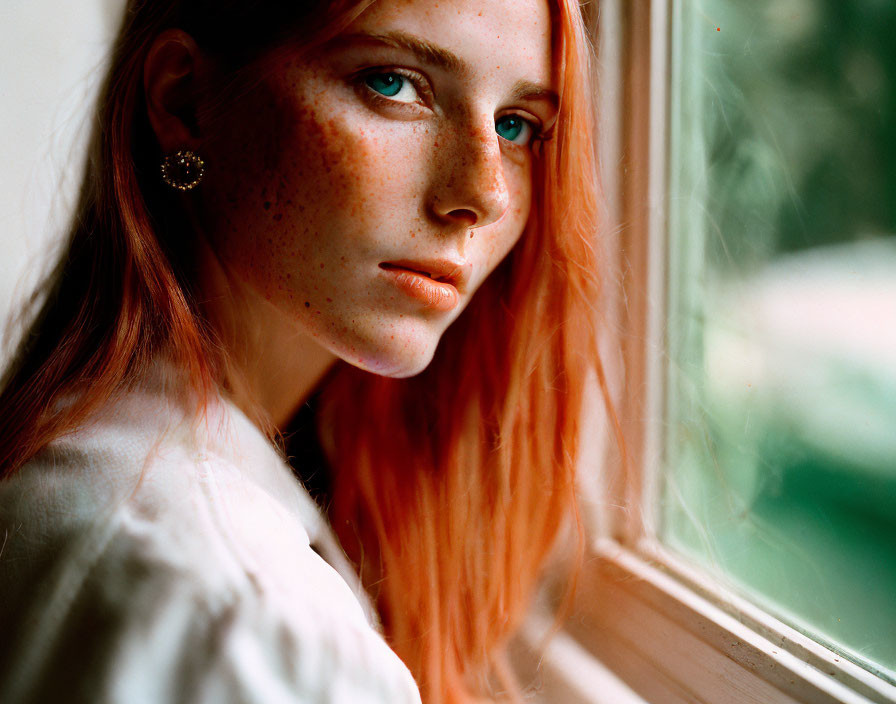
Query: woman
(337,181)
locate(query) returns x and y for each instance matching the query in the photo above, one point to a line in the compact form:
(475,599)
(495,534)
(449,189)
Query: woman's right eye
(393,86)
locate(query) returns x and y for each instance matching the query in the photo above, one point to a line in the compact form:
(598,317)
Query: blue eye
(512,128)
(386,83)
(393,85)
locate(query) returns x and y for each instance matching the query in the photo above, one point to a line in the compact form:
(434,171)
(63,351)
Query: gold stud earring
(182,170)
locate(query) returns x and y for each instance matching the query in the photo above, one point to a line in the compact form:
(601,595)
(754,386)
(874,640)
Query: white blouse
(152,558)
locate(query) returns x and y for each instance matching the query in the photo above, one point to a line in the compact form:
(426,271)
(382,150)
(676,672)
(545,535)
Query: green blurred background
(781,394)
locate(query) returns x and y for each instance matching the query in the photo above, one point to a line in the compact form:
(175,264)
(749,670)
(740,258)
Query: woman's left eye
(393,86)
(514,129)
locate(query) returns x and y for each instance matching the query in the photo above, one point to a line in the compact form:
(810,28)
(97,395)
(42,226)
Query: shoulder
(134,473)
(141,556)
(197,488)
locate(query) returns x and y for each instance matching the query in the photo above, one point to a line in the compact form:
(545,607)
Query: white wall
(51,61)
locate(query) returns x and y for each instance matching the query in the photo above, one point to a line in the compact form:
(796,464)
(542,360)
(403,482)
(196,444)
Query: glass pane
(781,393)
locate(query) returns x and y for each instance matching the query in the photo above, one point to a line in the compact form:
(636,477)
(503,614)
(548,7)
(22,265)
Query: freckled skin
(311,183)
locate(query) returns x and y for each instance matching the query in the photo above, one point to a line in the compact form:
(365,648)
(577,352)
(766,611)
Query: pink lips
(435,293)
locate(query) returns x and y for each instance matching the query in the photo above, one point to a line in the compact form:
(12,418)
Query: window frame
(647,626)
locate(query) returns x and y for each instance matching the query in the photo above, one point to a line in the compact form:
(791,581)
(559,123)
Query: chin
(396,367)
(395,357)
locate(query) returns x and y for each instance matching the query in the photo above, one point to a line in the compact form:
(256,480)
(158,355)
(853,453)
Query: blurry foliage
(800,124)
(782,457)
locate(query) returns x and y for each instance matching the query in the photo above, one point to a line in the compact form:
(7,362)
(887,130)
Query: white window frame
(648,626)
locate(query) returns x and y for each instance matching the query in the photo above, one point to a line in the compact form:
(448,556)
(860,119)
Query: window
(748,555)
(781,334)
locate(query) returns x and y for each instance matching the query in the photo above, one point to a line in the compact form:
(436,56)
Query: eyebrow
(423,50)
(526,90)
(442,58)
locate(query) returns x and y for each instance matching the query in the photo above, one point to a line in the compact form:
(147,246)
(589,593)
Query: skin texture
(314,179)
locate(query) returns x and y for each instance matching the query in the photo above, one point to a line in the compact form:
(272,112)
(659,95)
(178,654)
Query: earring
(183,169)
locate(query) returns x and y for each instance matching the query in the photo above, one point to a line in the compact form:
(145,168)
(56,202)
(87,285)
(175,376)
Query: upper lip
(452,271)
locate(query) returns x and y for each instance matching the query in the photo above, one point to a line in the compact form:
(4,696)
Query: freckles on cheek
(520,209)
(498,239)
(335,162)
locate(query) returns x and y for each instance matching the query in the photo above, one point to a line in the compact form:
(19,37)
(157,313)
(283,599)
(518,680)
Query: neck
(272,362)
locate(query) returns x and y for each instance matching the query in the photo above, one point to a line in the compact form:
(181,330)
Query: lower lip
(433,294)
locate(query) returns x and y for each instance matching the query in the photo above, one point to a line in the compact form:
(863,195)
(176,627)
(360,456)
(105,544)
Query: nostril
(463,214)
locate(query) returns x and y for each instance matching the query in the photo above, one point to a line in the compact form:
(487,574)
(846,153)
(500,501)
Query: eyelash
(422,88)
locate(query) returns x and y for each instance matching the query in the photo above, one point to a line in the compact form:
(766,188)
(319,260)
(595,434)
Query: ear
(170,74)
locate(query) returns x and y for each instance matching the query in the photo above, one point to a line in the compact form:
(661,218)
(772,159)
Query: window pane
(781,394)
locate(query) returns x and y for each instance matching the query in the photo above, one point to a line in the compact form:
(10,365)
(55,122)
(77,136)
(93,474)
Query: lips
(433,284)
(417,271)
(441,270)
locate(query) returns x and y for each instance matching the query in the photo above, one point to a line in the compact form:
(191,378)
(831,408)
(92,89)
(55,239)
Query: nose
(468,185)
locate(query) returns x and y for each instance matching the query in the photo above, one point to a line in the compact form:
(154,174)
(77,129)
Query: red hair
(452,486)
(449,488)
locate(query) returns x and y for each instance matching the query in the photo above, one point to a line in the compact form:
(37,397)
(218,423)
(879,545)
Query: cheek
(499,238)
(286,171)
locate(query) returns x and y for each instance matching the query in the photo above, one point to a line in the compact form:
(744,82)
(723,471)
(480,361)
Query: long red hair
(449,488)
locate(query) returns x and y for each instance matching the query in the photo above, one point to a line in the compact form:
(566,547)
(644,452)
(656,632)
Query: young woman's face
(367,191)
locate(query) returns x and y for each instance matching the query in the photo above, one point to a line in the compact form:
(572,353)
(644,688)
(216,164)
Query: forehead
(499,38)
